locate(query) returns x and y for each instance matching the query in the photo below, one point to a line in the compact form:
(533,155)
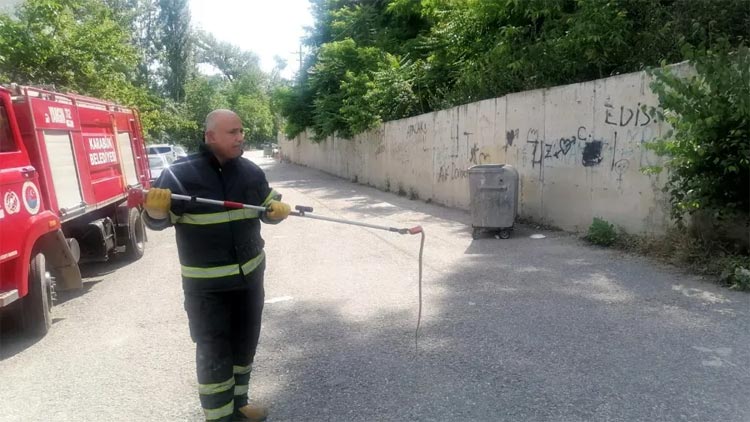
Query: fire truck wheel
(136,243)
(37,305)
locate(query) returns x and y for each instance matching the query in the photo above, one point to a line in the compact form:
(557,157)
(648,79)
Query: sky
(265,27)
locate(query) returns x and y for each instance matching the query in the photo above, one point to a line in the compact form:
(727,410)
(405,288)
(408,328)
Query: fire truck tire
(136,243)
(37,305)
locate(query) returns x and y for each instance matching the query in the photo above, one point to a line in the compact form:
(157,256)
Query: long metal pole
(137,196)
(413,230)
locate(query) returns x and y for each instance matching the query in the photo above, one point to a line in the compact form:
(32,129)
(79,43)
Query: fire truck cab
(66,164)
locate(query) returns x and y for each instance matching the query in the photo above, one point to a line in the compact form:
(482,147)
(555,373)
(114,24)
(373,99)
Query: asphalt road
(512,330)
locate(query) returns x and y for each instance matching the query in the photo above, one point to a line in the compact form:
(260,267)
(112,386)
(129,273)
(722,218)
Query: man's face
(226,137)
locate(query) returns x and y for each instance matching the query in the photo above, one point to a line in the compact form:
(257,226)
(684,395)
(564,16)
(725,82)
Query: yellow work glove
(158,202)
(278,210)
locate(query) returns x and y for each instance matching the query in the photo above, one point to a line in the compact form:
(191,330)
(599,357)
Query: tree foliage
(77,44)
(227,58)
(175,41)
(142,53)
(373,60)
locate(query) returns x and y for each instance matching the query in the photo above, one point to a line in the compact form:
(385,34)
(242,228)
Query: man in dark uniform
(222,260)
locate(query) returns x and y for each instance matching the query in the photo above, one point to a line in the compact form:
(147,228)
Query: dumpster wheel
(476,232)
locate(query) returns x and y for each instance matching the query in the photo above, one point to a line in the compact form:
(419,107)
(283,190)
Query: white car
(157,163)
(173,152)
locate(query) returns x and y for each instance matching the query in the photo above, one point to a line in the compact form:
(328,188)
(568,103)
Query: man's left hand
(278,210)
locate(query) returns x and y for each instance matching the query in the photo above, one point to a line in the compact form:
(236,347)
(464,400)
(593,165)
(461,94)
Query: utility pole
(300,60)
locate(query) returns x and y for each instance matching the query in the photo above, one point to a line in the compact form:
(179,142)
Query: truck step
(7,297)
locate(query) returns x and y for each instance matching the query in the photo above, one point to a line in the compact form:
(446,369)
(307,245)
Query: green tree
(202,95)
(83,46)
(248,97)
(435,54)
(227,58)
(75,45)
(176,44)
(146,32)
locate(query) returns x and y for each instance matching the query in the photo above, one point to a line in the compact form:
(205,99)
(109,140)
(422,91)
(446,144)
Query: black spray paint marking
(592,153)
(451,172)
(614,152)
(532,137)
(510,136)
(477,156)
(626,116)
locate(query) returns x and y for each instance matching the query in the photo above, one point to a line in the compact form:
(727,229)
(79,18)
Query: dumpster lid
(486,167)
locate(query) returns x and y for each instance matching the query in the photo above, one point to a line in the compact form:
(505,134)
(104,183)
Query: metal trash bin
(267,150)
(493,189)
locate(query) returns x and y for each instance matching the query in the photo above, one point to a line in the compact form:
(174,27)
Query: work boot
(252,413)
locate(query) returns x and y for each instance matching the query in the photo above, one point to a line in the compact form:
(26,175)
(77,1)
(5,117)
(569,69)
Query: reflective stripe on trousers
(218,392)
(224,270)
(220,412)
(241,379)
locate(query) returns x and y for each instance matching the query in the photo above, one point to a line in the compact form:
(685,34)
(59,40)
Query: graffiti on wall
(590,148)
(452,162)
(403,150)
(451,172)
(627,116)
(510,136)
(477,156)
(592,154)
(620,167)
(632,126)
(416,129)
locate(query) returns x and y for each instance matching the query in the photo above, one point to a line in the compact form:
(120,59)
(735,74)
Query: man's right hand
(158,202)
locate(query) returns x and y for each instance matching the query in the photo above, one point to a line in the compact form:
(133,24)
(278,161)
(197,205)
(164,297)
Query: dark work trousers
(225,326)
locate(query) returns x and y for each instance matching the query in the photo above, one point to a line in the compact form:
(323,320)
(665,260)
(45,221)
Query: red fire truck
(66,164)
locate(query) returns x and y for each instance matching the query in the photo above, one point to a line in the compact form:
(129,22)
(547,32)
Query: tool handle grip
(233,205)
(303,208)
(415,230)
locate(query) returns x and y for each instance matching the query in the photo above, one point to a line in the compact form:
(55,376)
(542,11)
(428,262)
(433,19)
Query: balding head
(213,117)
(224,134)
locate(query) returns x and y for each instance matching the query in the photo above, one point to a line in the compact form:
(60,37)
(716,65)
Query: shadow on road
(94,269)
(514,335)
(520,329)
(12,338)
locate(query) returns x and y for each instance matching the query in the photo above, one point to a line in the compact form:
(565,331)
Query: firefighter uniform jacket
(218,248)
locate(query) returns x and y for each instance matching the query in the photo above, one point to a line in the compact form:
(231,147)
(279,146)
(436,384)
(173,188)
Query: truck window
(7,144)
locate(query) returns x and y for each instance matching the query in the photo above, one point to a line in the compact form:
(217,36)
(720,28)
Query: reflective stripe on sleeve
(269,198)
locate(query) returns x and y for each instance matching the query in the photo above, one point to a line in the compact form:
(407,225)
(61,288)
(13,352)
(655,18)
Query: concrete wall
(579,150)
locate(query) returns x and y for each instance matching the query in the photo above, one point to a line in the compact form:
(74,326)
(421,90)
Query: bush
(601,233)
(736,272)
(708,153)
(683,249)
